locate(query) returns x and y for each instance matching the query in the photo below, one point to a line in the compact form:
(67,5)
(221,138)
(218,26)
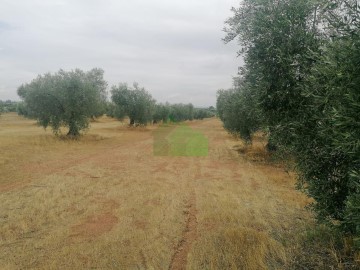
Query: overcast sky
(171,47)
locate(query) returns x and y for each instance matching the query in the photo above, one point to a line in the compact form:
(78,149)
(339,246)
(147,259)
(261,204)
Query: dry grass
(106,202)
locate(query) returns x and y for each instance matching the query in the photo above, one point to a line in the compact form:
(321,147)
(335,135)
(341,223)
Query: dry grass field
(106,202)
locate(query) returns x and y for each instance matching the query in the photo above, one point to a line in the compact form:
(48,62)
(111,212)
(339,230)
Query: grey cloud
(172,48)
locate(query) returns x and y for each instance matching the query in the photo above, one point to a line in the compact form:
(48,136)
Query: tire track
(179,259)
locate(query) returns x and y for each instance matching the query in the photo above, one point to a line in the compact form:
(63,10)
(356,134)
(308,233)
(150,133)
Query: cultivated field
(107,202)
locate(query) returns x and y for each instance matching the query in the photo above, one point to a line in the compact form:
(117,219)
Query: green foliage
(64,99)
(114,111)
(95,77)
(24,110)
(276,37)
(181,112)
(8,106)
(134,102)
(331,168)
(201,113)
(302,76)
(238,111)
(141,108)
(161,113)
(351,222)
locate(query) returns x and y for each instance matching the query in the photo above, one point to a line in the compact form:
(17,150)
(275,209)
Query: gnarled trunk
(73,129)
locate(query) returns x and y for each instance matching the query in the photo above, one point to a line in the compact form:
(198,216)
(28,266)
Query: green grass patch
(179,140)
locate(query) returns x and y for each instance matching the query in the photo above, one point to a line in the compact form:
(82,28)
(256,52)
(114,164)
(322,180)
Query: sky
(173,48)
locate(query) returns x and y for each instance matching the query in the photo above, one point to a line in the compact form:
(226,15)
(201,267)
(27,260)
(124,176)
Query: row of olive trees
(141,108)
(71,99)
(8,106)
(300,82)
(235,108)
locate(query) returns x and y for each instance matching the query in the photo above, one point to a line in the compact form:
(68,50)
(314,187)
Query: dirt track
(108,202)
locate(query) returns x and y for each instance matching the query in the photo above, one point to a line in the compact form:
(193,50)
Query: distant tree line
(72,98)
(136,103)
(300,83)
(8,106)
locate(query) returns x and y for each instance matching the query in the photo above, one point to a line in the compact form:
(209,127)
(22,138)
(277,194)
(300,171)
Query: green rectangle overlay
(179,140)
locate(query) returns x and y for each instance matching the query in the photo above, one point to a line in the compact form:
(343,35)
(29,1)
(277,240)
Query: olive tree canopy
(135,102)
(65,99)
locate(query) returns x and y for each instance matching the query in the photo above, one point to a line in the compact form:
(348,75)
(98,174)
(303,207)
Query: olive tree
(95,77)
(114,111)
(276,38)
(23,110)
(201,113)
(238,111)
(330,161)
(181,112)
(8,106)
(161,113)
(135,102)
(65,99)
(302,65)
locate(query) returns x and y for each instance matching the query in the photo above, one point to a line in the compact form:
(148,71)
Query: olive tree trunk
(73,129)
